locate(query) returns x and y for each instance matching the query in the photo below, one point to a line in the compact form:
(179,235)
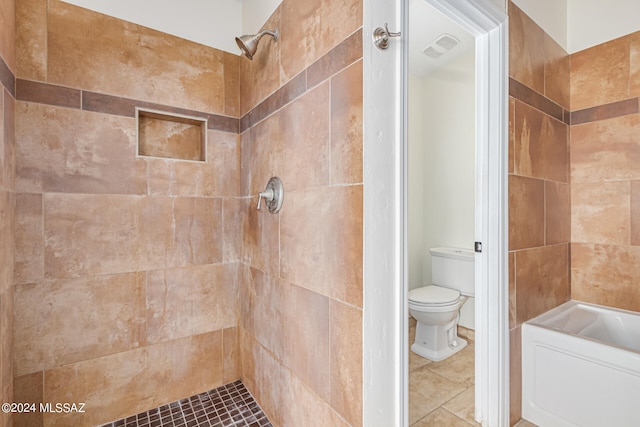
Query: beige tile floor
(442,393)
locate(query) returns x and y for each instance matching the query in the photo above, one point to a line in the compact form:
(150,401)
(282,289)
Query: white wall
(441,164)
(255,13)
(579,24)
(415,167)
(214,23)
(592,22)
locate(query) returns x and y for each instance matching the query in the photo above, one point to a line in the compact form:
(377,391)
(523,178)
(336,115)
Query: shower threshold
(228,405)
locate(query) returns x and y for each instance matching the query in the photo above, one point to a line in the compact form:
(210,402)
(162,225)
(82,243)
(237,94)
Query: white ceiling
(427,24)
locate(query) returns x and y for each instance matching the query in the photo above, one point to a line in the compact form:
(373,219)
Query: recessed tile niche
(162,134)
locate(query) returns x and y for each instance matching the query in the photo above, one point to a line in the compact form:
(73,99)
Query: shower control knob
(273,195)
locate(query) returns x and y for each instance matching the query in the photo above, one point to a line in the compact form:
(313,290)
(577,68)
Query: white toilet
(436,307)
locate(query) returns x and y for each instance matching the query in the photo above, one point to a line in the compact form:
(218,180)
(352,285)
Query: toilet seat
(433,296)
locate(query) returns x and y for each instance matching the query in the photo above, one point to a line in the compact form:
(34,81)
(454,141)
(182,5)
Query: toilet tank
(453,268)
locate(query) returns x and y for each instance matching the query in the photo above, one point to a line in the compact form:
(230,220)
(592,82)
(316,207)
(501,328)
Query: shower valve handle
(273,195)
(267,194)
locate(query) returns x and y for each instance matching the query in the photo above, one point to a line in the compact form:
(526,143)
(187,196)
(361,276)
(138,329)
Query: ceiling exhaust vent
(441,45)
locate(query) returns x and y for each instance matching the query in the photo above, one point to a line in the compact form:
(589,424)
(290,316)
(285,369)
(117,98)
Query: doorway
(440,202)
(385,322)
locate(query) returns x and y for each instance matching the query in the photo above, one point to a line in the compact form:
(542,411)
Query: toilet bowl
(436,307)
(436,310)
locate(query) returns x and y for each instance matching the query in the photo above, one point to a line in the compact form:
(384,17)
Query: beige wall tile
(29,239)
(223,156)
(149,376)
(298,134)
(7,247)
(635,213)
(234,222)
(557,212)
(634,65)
(66,321)
(606,150)
(346,361)
(81,44)
(7,341)
(346,126)
(557,77)
(526,212)
(8,32)
(179,231)
(231,84)
(307,350)
(263,310)
(178,178)
(218,176)
(309,409)
(90,235)
(309,30)
(262,75)
(261,241)
(606,275)
(189,301)
(541,146)
(231,355)
(31,39)
(66,150)
(2,136)
(266,379)
(526,50)
(515,375)
(600,75)
(28,389)
(321,242)
(512,134)
(512,290)
(600,212)
(246,173)
(9,141)
(248,362)
(542,280)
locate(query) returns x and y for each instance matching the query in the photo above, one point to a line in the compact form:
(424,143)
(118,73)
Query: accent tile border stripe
(337,59)
(535,100)
(607,111)
(334,61)
(7,78)
(601,112)
(46,93)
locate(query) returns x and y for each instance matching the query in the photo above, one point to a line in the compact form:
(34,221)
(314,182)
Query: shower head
(249,43)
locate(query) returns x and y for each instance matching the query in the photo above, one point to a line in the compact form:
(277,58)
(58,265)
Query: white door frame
(385,315)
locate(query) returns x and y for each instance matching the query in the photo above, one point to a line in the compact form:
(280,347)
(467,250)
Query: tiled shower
(140,280)
(123,275)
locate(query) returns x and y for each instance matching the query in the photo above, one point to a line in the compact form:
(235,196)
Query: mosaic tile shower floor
(226,406)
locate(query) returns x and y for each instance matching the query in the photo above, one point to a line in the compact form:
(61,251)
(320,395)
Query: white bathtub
(581,367)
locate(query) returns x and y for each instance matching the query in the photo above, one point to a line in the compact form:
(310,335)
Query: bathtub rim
(543,320)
